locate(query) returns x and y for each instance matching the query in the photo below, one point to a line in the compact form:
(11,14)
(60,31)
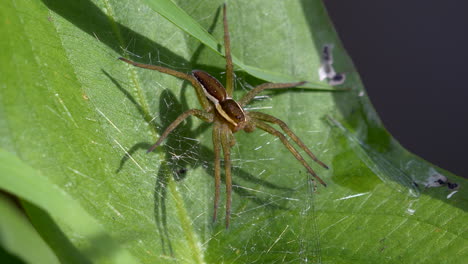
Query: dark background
(413,59)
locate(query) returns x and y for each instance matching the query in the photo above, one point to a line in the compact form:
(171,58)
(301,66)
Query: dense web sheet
(257,190)
(260,187)
(377,162)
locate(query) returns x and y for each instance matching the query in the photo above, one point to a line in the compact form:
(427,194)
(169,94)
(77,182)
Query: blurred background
(413,59)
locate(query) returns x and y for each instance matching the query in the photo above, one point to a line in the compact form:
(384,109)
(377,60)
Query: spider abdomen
(213,89)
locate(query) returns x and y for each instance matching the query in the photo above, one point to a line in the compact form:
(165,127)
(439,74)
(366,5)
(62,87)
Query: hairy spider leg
(265,127)
(289,132)
(208,117)
(258,89)
(227,55)
(199,90)
(217,165)
(226,137)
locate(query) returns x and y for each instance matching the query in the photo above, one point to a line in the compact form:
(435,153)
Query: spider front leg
(205,116)
(265,127)
(258,89)
(200,94)
(227,55)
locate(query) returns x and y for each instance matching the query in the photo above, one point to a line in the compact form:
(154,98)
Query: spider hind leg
(227,143)
(289,132)
(217,166)
(267,128)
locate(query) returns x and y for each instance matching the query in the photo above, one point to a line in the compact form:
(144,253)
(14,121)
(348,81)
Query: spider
(228,117)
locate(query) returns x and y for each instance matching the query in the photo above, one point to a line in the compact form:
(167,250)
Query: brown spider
(228,117)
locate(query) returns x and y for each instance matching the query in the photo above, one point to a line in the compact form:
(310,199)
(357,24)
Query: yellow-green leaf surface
(75,124)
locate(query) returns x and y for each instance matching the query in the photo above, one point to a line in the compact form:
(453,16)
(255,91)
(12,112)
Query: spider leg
(205,116)
(227,55)
(217,165)
(200,94)
(258,89)
(288,131)
(226,143)
(284,140)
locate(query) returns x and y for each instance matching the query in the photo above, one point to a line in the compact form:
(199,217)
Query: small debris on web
(326,70)
(437,180)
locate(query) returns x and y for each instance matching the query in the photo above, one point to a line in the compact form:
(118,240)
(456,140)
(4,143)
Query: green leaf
(17,234)
(18,178)
(76,123)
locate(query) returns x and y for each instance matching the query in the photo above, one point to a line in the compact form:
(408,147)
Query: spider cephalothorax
(228,116)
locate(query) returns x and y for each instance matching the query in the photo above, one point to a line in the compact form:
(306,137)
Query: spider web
(270,187)
(273,201)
